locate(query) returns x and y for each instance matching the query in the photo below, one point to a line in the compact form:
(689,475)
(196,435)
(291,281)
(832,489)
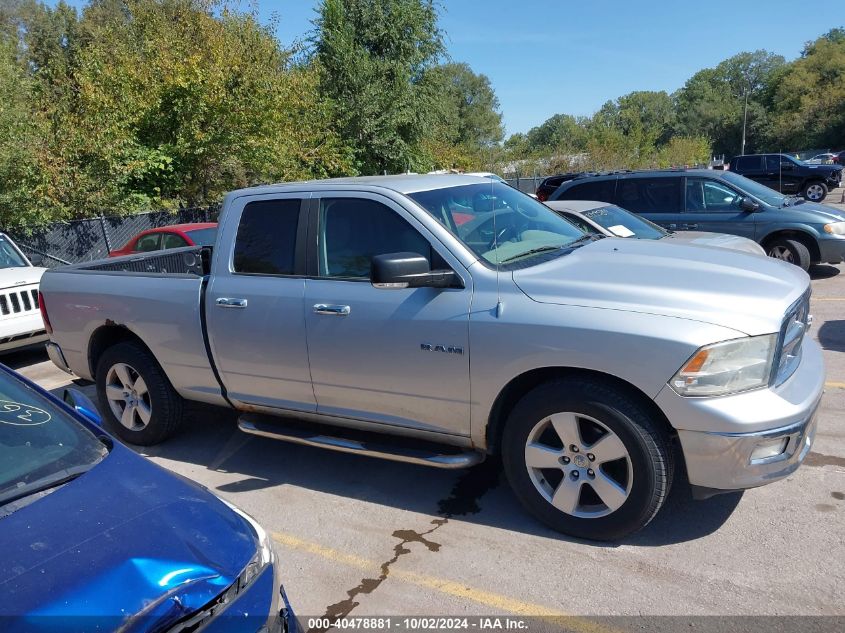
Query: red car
(175,236)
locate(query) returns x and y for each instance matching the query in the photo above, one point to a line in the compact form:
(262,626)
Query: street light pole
(744,123)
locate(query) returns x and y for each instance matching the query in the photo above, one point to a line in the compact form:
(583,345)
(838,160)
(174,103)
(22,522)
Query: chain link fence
(87,240)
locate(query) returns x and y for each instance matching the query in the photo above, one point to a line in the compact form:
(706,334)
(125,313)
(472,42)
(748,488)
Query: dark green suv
(787,227)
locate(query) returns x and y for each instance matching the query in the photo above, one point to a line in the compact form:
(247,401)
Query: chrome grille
(18,301)
(795,326)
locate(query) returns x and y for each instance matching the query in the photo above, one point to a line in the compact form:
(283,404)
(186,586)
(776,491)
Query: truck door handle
(323,308)
(690,226)
(228,302)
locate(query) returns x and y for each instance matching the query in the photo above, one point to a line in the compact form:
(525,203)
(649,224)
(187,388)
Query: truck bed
(157,297)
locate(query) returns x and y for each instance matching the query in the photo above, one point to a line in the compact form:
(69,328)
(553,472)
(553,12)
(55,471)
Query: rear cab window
(747,163)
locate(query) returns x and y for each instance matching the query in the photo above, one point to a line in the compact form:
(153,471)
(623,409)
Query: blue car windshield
(41,445)
(761,192)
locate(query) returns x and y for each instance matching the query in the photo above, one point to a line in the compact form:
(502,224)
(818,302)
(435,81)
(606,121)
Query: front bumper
(718,435)
(831,249)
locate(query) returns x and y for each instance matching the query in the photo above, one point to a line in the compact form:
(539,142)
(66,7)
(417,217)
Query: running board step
(398,449)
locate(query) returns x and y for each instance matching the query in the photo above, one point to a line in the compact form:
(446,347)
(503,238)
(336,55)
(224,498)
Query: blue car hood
(125,539)
(822,212)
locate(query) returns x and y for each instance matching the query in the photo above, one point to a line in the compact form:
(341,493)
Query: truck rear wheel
(135,396)
(587,459)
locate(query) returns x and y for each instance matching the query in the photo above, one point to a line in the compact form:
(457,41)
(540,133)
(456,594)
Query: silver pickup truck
(442,319)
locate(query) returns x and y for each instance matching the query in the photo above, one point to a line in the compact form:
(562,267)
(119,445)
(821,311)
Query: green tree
(375,57)
(809,99)
(559,132)
(470,106)
(712,103)
(650,115)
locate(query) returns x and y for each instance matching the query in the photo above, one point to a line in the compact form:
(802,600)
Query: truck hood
(126,538)
(736,290)
(717,240)
(20,276)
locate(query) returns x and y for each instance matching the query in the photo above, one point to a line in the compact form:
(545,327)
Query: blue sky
(546,56)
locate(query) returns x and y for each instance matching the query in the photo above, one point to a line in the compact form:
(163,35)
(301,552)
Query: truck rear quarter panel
(162,310)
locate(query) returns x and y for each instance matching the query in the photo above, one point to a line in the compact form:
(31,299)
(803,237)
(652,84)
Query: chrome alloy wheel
(815,193)
(128,396)
(782,253)
(579,465)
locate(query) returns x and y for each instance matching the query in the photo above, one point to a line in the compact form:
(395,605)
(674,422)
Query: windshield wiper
(533,251)
(547,248)
(788,200)
(45,483)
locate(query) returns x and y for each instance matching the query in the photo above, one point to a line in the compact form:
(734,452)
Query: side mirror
(36,260)
(80,403)
(410,270)
(748,205)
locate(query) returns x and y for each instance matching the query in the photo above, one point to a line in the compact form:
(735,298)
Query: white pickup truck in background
(20,320)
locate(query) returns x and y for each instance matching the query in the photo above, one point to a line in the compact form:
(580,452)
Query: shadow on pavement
(832,335)
(823,271)
(480,495)
(24,357)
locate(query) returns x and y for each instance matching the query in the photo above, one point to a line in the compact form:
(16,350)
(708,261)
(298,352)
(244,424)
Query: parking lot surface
(360,536)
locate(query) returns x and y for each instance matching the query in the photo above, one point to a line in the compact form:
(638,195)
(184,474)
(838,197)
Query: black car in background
(548,185)
(787,175)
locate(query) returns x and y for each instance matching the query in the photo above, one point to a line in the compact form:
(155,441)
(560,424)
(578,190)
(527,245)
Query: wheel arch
(107,336)
(525,382)
(800,235)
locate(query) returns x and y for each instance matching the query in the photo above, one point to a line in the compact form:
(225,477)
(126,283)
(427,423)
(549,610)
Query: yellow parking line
(835,385)
(458,590)
(828,299)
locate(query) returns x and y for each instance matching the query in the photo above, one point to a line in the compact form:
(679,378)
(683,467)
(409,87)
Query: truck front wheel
(814,191)
(135,396)
(587,459)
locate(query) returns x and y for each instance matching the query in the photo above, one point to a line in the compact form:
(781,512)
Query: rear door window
(171,240)
(149,242)
(649,195)
(266,241)
(599,190)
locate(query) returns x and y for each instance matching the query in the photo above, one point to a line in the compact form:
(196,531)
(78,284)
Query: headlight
(836,228)
(729,367)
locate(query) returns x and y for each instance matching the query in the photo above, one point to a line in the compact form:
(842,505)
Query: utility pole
(744,122)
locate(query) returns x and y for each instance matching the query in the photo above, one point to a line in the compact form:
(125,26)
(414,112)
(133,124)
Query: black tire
(790,251)
(814,191)
(165,404)
(649,455)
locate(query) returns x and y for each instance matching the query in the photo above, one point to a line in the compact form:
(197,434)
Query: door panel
(394,356)
(713,206)
(254,307)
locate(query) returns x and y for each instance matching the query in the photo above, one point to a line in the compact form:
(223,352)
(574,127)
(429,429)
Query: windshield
(498,223)
(203,237)
(623,223)
(761,192)
(40,444)
(9,255)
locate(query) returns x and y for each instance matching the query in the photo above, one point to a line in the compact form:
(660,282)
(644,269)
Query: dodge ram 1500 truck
(440,319)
